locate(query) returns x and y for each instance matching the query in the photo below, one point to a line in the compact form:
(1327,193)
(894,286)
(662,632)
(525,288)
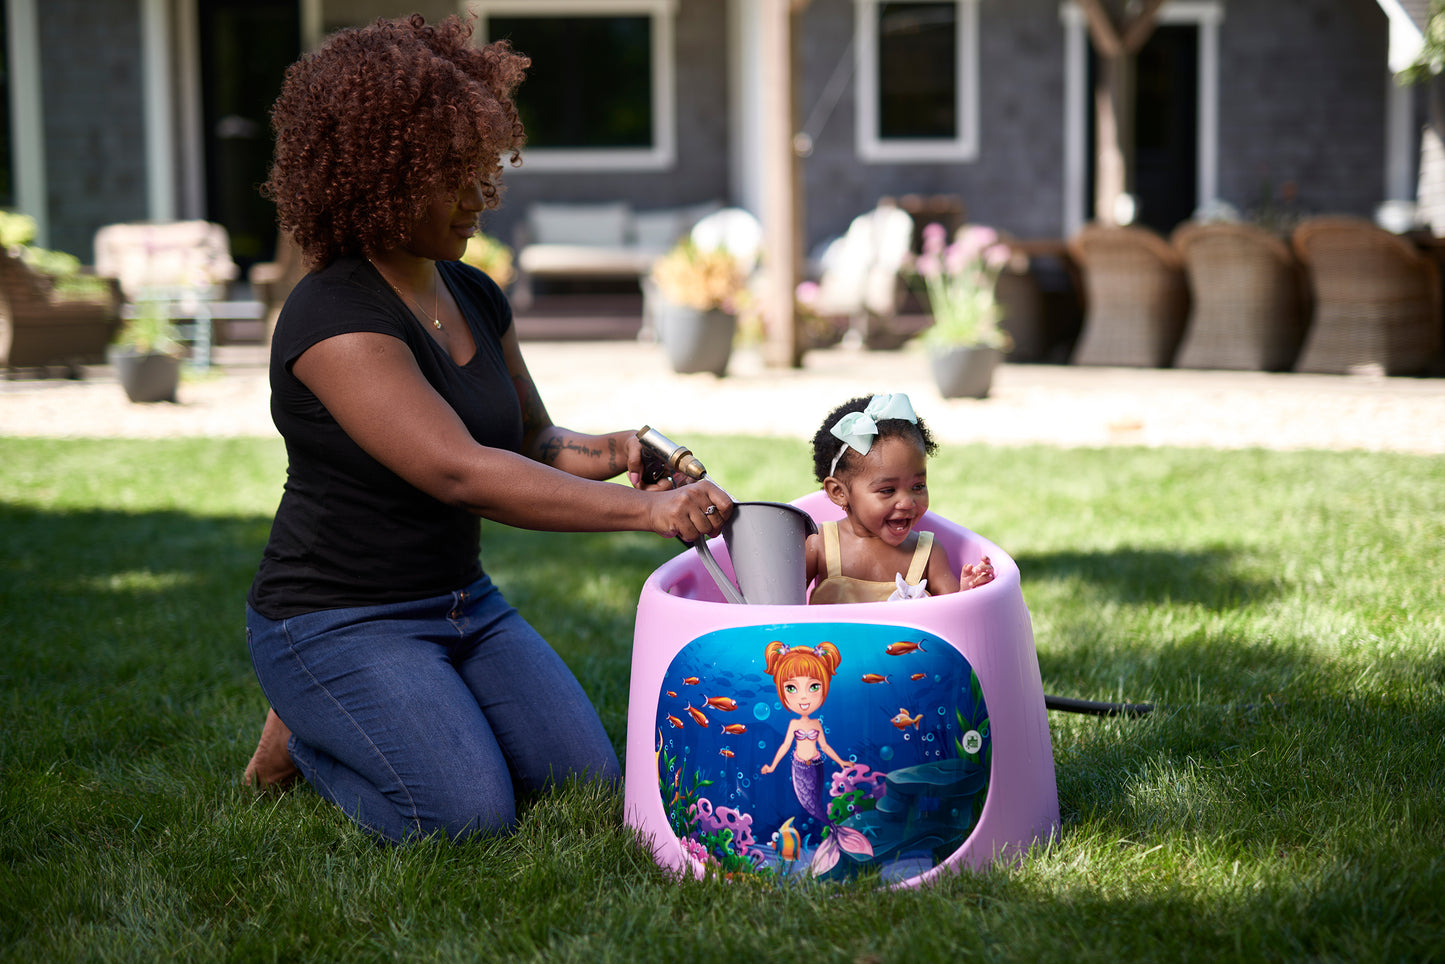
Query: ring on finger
(710,510)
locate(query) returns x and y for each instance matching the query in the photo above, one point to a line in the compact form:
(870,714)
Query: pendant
(436,323)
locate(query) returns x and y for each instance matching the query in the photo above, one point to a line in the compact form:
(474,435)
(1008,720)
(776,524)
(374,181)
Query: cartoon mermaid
(802,674)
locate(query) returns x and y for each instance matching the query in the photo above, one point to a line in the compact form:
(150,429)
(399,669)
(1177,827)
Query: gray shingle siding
(91,104)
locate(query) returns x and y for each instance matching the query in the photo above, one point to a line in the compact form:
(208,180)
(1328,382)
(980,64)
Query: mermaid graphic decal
(802,674)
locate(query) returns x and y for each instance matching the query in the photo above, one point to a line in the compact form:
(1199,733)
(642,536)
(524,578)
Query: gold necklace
(436,317)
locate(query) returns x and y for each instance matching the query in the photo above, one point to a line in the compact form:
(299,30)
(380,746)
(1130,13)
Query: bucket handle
(733,594)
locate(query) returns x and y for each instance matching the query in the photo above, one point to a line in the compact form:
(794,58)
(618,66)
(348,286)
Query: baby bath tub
(937,708)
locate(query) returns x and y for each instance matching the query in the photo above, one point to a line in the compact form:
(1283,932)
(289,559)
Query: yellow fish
(787,841)
(903,721)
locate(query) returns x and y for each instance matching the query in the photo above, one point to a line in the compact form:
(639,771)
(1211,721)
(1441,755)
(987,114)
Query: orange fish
(787,841)
(697,715)
(874,678)
(735,728)
(914,676)
(721,703)
(726,752)
(691,681)
(675,721)
(899,648)
(671,693)
(903,721)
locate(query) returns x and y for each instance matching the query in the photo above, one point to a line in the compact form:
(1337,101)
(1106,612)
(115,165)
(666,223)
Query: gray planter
(145,376)
(696,341)
(965,371)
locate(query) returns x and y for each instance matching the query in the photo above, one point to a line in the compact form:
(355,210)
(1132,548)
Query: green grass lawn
(1286,801)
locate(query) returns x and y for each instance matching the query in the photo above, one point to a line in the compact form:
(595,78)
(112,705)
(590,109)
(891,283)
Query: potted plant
(491,257)
(146,354)
(966,341)
(700,293)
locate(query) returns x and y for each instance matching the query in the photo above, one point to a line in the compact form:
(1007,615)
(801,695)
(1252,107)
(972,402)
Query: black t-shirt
(349,531)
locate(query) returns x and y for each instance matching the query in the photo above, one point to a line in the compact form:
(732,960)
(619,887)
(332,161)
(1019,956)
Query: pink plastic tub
(936,708)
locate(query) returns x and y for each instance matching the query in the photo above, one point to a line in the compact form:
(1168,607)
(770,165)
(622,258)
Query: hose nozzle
(675,458)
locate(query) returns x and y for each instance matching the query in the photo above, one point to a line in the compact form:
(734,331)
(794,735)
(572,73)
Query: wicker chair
(1246,295)
(1376,300)
(39,328)
(1135,297)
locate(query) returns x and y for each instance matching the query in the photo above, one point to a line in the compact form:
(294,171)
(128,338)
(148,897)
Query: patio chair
(184,264)
(1135,297)
(1376,300)
(40,328)
(1246,295)
(860,275)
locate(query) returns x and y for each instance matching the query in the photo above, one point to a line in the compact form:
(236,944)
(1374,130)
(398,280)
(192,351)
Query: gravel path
(597,386)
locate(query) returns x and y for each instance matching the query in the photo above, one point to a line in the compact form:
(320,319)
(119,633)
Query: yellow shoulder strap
(919,564)
(832,558)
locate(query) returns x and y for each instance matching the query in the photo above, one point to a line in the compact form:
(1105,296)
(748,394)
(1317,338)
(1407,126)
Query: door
(246,46)
(1166,128)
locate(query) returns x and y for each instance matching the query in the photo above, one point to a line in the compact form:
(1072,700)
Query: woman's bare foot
(271,764)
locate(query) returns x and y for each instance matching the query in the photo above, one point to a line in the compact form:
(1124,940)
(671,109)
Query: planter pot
(964,372)
(146,377)
(696,341)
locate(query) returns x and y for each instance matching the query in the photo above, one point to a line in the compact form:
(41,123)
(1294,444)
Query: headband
(857,429)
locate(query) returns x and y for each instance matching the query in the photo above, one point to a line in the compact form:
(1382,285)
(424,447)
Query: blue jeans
(428,716)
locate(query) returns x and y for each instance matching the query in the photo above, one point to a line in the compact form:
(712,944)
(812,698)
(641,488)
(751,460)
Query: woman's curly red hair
(379,118)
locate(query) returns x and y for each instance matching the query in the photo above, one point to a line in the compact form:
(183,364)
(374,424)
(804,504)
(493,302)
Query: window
(917,84)
(599,93)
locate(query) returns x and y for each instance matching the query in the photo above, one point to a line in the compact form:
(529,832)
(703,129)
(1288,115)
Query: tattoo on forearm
(552,449)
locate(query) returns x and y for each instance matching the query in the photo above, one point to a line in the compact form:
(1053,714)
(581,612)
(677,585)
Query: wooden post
(1117,42)
(781,184)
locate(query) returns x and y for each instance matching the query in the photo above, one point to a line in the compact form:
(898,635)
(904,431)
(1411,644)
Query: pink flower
(935,236)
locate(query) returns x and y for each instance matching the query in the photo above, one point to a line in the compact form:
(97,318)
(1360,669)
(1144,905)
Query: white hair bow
(858,429)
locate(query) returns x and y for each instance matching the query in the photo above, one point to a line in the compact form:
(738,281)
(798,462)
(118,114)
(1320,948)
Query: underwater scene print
(822,750)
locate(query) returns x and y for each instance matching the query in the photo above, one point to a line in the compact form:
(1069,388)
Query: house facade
(120,110)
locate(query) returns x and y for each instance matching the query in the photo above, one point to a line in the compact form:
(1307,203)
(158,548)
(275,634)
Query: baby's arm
(940,575)
(814,556)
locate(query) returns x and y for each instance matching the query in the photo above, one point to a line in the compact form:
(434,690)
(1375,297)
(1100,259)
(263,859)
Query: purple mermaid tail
(808,786)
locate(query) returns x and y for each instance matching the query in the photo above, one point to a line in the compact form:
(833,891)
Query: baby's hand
(973,576)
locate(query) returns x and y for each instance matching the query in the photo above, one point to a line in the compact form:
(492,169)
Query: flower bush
(491,257)
(960,281)
(701,279)
(67,278)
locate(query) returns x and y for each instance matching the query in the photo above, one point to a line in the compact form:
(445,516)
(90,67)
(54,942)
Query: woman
(414,697)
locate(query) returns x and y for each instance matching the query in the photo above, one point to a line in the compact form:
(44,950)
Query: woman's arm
(587,456)
(372,386)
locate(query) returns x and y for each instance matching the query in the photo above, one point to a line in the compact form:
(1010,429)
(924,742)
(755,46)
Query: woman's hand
(647,470)
(690,511)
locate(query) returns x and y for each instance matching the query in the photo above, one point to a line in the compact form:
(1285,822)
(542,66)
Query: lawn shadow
(1126,575)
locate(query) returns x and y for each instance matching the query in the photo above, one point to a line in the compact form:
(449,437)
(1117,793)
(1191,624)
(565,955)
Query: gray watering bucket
(767,545)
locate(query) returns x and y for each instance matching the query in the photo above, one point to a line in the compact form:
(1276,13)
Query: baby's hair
(826,444)
(785,662)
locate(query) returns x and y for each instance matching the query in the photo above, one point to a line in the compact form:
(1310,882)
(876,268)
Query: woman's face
(450,220)
(802,694)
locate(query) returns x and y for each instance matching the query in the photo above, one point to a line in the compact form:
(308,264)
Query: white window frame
(662,155)
(873,149)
